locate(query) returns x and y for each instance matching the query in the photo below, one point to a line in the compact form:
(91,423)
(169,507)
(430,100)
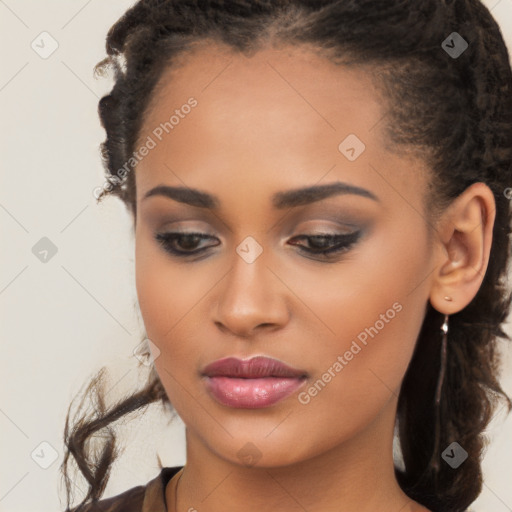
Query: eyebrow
(280,200)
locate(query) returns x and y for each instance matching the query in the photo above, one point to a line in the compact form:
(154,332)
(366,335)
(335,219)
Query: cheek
(158,288)
(162,289)
(342,299)
(371,310)
(169,293)
(347,394)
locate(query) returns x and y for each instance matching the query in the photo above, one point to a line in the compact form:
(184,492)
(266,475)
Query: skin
(263,125)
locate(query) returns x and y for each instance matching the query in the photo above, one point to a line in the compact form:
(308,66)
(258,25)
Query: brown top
(143,498)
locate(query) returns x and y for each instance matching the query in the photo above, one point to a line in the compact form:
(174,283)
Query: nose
(251,298)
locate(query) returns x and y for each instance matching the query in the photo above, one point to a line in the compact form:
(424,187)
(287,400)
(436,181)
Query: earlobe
(464,243)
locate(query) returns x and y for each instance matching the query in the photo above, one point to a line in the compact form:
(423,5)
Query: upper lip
(256,367)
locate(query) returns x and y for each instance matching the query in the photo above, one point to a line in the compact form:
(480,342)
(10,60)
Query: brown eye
(328,244)
(323,245)
(187,242)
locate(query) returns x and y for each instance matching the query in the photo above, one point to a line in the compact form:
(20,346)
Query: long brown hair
(454,112)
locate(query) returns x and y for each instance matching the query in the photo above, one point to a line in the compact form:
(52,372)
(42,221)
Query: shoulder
(128,501)
(137,499)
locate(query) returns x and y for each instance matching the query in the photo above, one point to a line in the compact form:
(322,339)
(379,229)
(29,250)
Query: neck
(356,475)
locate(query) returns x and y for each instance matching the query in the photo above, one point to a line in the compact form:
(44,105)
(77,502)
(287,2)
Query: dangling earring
(442,369)
(440,381)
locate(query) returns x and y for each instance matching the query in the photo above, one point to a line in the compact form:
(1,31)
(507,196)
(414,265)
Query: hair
(453,113)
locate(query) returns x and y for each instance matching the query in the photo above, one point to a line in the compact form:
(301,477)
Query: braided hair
(455,113)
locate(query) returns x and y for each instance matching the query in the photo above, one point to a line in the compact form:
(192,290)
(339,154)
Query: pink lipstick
(251,383)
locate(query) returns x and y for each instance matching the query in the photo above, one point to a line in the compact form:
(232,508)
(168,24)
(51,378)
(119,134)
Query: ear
(464,244)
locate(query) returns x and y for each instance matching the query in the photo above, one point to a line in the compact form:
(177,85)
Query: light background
(64,319)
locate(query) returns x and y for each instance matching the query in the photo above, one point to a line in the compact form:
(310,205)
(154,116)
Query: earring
(442,370)
(440,381)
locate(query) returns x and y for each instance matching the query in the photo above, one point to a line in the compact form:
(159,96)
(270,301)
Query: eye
(327,244)
(187,241)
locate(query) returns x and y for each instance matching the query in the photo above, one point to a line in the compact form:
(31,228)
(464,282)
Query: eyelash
(346,241)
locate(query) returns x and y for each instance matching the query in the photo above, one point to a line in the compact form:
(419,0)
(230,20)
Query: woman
(318,190)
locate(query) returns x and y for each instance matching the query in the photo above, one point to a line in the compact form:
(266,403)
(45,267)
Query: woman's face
(250,133)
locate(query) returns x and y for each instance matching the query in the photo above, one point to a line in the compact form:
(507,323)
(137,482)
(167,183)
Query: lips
(253,383)
(253,368)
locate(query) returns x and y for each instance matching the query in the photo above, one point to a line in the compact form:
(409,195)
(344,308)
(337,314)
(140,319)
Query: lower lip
(252,393)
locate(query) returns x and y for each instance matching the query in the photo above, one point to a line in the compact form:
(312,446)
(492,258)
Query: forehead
(279,114)
(291,79)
